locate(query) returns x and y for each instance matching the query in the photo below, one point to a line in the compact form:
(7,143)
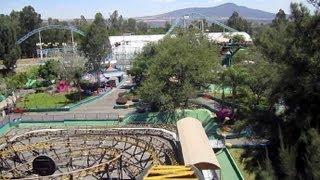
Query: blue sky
(67,9)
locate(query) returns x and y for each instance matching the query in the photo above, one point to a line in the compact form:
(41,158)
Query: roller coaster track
(59,27)
(197,16)
(94,145)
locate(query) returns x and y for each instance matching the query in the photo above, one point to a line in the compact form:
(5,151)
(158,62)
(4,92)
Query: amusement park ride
(131,152)
(75,153)
(134,151)
(38,31)
(189,20)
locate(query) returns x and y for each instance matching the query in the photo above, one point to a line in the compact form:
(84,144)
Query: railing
(58,118)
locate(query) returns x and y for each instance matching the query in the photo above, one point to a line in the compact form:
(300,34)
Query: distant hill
(221,13)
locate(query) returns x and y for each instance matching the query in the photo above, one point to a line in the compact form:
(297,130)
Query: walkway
(247,142)
(207,103)
(102,105)
(238,142)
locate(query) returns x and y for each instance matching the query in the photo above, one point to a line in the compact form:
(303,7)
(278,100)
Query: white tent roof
(225,37)
(139,40)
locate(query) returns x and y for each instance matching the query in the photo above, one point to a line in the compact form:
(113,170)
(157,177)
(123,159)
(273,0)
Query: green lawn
(46,100)
(203,115)
(43,100)
(236,154)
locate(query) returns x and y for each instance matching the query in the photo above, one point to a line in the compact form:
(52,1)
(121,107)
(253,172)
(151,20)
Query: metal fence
(60,117)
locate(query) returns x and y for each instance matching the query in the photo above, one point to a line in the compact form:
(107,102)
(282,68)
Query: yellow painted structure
(170,172)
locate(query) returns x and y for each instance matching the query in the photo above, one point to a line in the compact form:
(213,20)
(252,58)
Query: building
(124,48)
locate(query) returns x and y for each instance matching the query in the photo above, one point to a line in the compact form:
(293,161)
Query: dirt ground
(25,64)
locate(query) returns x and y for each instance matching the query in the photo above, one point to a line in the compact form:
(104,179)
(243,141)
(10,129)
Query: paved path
(102,105)
(247,142)
(210,104)
(238,142)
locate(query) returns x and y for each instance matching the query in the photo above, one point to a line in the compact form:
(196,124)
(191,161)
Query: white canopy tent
(124,48)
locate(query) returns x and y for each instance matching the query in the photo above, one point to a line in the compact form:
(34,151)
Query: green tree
(295,46)
(312,144)
(131,25)
(95,45)
(53,36)
(238,38)
(262,75)
(266,173)
(142,27)
(49,71)
(236,22)
(71,68)
(115,23)
(16,81)
(272,43)
(9,51)
(29,20)
(234,77)
(142,63)
(167,26)
(177,70)
(280,19)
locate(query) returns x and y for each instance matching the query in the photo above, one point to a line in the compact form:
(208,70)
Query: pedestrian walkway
(104,105)
(210,104)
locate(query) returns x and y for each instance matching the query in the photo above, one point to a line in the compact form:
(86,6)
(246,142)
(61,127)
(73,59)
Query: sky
(70,9)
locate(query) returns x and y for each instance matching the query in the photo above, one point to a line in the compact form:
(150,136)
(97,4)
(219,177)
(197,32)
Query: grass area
(203,115)
(43,100)
(46,100)
(236,154)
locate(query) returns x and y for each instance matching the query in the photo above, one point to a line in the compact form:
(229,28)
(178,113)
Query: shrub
(88,86)
(16,81)
(49,70)
(121,100)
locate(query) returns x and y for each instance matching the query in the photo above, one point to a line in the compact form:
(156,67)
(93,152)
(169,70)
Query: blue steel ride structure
(181,22)
(39,30)
(61,27)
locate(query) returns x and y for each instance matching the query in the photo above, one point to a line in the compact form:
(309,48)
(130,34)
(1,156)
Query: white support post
(41,53)
(202,26)
(72,39)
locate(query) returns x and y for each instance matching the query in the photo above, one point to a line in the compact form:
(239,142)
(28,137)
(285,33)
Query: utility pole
(41,53)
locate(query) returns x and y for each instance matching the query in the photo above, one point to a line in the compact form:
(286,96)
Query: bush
(49,70)
(122,100)
(88,86)
(238,38)
(16,81)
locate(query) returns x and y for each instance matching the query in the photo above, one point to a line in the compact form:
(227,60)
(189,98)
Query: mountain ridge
(221,12)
